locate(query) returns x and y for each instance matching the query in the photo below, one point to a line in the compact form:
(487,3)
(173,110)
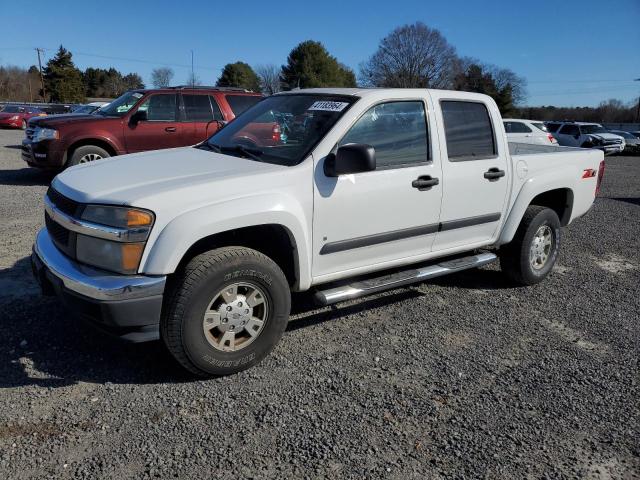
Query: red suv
(137,121)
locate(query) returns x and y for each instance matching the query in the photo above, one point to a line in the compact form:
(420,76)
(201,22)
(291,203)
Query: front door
(160,130)
(568,135)
(476,169)
(371,218)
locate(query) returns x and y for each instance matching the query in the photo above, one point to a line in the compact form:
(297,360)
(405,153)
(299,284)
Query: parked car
(202,246)
(89,107)
(528,131)
(17,116)
(636,133)
(586,135)
(137,121)
(632,143)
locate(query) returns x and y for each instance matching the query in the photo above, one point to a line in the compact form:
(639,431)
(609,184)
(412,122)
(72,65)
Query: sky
(572,53)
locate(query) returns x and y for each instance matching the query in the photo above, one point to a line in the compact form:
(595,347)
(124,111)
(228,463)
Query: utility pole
(30,94)
(44,93)
(638,110)
(193,78)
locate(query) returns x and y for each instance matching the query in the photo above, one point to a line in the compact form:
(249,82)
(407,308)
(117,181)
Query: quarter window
(160,107)
(468,130)
(397,131)
(516,127)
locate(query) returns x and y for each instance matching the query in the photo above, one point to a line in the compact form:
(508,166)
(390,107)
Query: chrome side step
(399,279)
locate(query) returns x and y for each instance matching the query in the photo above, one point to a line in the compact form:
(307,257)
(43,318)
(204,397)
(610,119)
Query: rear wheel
(86,154)
(226,311)
(23,125)
(530,256)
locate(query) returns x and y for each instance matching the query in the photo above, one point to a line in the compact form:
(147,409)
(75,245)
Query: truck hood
(66,119)
(179,173)
(606,136)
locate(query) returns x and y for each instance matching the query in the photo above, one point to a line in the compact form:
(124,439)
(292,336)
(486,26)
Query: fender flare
(172,242)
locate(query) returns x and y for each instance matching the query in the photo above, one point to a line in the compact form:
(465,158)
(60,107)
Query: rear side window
(397,130)
(197,108)
(239,103)
(516,127)
(468,130)
(539,126)
(570,130)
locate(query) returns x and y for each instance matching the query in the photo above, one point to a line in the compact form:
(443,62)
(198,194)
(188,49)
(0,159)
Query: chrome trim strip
(91,282)
(95,229)
(395,280)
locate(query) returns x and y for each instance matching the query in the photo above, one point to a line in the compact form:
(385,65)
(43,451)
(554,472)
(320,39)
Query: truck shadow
(44,345)
(26,177)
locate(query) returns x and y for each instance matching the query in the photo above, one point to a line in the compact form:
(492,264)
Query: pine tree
(62,79)
(310,65)
(239,75)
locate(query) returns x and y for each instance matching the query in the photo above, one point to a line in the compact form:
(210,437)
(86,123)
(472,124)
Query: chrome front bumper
(128,303)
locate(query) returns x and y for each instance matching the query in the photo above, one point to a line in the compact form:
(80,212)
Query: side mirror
(139,116)
(350,158)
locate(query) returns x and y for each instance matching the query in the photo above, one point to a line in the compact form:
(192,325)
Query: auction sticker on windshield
(328,106)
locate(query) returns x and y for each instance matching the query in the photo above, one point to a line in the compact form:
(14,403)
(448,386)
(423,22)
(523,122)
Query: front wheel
(226,311)
(530,256)
(23,125)
(86,154)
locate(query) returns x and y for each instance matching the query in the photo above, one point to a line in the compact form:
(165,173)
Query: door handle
(170,129)
(424,183)
(493,174)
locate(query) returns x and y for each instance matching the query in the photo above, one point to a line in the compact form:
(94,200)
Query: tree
(161,77)
(239,75)
(412,56)
(310,65)
(476,79)
(193,79)
(101,83)
(269,76)
(63,80)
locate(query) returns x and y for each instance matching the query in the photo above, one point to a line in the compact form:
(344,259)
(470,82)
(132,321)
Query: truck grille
(64,239)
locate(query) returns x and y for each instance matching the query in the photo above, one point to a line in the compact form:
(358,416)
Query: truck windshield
(280,129)
(592,129)
(121,105)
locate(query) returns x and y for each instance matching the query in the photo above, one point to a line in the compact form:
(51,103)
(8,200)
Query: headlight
(115,256)
(116,237)
(40,134)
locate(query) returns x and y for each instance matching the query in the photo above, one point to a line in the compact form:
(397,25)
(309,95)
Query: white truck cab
(361,191)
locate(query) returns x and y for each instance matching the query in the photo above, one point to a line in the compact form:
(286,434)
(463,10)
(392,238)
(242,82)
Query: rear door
(161,129)
(201,117)
(476,171)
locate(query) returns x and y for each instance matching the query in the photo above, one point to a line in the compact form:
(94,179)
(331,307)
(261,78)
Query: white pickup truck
(352,192)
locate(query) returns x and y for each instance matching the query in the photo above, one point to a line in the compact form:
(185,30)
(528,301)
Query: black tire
(23,125)
(181,326)
(515,260)
(80,154)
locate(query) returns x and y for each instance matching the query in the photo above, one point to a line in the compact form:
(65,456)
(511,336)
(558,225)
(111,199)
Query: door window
(160,107)
(468,130)
(397,131)
(570,130)
(197,108)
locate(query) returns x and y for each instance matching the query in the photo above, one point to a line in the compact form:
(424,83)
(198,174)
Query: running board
(399,279)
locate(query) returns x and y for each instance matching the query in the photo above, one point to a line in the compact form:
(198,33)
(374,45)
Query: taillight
(275,133)
(600,175)
(550,137)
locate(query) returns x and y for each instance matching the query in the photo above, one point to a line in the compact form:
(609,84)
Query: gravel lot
(466,377)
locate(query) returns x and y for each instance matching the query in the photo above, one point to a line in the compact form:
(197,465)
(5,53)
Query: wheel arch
(98,142)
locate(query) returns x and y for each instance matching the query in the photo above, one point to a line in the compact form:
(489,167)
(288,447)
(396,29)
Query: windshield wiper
(252,153)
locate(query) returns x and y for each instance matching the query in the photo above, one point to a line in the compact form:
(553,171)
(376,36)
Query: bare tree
(193,79)
(269,78)
(161,77)
(411,56)
(501,76)
(18,84)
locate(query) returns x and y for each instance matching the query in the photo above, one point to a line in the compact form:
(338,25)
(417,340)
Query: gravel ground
(466,377)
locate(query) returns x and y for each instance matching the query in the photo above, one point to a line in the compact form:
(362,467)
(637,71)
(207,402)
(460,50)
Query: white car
(528,131)
(379,188)
(586,135)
